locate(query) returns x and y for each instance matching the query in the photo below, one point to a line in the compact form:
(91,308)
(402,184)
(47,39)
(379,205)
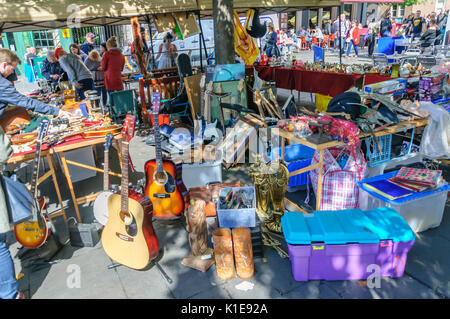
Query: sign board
(319,54)
(65,33)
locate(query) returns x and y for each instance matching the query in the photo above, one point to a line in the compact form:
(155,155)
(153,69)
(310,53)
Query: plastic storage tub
(341,245)
(232,218)
(421,211)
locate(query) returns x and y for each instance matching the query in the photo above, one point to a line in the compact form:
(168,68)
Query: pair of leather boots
(233,247)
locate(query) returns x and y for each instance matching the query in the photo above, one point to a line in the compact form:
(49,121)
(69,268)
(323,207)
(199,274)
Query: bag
(289,41)
(435,141)
(17,198)
(210,194)
(339,185)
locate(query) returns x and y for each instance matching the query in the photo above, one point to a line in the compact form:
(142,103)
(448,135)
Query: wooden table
(70,145)
(60,149)
(29,156)
(321,147)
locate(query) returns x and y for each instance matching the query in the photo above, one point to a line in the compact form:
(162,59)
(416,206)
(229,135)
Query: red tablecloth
(326,83)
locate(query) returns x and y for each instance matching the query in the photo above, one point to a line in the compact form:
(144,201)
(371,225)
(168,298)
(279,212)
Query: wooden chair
(332,39)
(159,73)
(326,41)
(168,86)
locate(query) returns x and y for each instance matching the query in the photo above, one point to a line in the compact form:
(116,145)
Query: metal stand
(161,270)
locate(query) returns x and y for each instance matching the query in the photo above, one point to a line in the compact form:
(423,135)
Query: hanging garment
(254,26)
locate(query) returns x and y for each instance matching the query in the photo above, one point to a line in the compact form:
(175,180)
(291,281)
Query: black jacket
(49,68)
(429,37)
(385,25)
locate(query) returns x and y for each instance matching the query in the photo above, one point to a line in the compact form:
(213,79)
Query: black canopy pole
(203,37)
(200,42)
(151,41)
(340,39)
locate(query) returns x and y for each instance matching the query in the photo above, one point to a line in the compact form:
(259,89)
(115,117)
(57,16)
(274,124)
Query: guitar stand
(161,270)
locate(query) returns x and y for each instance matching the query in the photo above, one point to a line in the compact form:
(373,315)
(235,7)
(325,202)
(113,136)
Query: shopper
(317,32)
(77,72)
(271,47)
(327,27)
(94,64)
(372,32)
(340,37)
(113,62)
(75,49)
(88,45)
(417,26)
(292,44)
(51,70)
(429,37)
(30,72)
(386,26)
(441,20)
(103,48)
(167,52)
(353,39)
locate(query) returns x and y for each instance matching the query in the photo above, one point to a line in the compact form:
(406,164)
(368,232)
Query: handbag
(18,199)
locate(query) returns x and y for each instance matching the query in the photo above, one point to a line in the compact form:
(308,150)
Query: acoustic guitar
(34,232)
(101,201)
(128,237)
(163,178)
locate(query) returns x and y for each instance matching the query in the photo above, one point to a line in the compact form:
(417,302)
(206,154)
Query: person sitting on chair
(429,37)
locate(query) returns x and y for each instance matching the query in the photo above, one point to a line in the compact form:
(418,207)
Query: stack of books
(407,181)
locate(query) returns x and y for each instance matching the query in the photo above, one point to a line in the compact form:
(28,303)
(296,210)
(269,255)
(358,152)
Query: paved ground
(427,272)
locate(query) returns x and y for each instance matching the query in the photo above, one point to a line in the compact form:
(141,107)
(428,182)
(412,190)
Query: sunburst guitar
(128,237)
(34,232)
(163,186)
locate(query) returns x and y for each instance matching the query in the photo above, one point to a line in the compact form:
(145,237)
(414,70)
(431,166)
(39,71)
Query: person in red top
(353,38)
(113,62)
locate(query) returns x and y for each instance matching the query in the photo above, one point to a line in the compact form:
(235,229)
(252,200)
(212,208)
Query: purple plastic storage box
(342,245)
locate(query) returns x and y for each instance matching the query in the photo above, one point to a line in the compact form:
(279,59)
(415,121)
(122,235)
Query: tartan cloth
(339,186)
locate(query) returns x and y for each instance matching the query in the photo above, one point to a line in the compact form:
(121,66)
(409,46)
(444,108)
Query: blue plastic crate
(373,155)
(293,152)
(300,179)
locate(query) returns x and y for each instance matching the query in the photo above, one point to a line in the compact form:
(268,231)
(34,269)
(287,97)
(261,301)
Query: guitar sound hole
(161,177)
(130,223)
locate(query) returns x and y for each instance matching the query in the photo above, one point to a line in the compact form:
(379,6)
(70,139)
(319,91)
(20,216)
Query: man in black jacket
(429,37)
(51,70)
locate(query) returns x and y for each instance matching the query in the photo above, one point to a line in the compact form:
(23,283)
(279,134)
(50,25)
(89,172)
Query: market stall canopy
(378,1)
(17,15)
(27,15)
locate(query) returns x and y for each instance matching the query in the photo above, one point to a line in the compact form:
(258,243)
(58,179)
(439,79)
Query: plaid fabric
(339,186)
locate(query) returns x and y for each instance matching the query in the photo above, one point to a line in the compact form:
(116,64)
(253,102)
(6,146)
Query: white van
(191,43)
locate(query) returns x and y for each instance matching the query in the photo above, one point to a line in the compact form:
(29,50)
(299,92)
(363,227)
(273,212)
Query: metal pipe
(340,38)
(203,37)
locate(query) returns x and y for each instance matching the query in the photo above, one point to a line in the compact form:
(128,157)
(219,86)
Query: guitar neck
(158,151)
(106,171)
(36,165)
(124,182)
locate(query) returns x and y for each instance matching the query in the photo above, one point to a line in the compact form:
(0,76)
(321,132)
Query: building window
(397,11)
(44,40)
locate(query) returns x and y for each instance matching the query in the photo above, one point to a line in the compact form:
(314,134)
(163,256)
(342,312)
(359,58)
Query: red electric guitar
(128,236)
(163,186)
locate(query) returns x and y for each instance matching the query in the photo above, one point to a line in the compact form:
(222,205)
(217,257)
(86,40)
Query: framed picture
(225,72)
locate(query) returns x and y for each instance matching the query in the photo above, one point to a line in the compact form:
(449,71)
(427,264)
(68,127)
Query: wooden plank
(304,169)
(87,198)
(192,85)
(91,168)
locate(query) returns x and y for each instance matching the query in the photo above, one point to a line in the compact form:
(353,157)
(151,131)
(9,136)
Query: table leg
(69,182)
(55,183)
(319,181)
(283,142)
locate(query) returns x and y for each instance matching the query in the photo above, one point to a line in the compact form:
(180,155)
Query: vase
(223,251)
(243,252)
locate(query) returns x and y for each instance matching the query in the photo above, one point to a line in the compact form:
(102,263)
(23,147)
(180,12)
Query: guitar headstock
(43,128)
(156,102)
(210,86)
(128,128)
(203,81)
(108,140)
